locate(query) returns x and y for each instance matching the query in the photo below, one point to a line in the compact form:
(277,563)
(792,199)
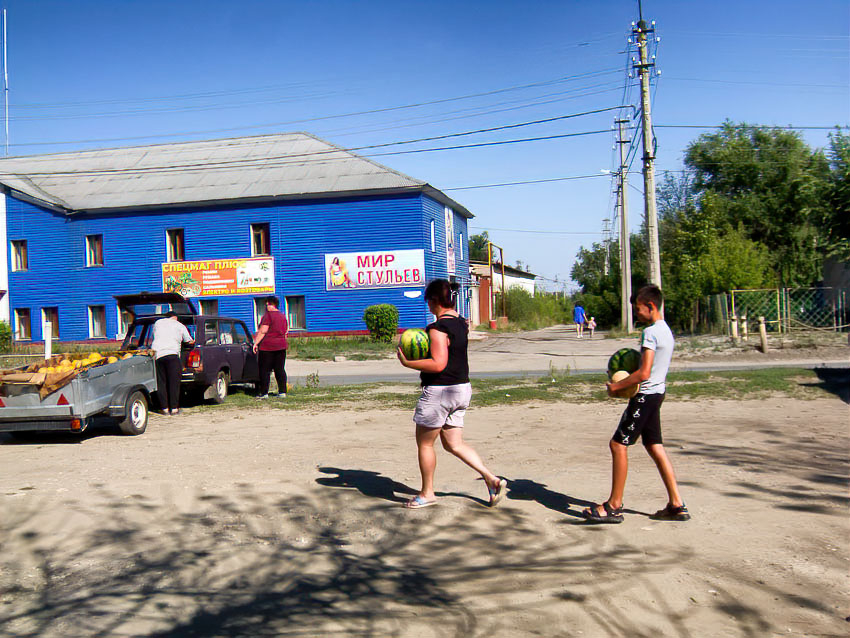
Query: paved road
(532,353)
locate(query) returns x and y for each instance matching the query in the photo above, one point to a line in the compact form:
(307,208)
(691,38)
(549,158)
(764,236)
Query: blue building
(226,222)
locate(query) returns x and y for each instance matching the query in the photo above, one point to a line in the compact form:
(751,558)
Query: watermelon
(415,344)
(627,359)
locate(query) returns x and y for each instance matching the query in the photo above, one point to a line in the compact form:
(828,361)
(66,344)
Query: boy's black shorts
(641,418)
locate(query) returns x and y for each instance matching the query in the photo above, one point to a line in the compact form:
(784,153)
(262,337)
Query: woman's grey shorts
(442,405)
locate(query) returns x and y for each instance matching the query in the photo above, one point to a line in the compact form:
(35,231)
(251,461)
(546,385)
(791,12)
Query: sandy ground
(267,523)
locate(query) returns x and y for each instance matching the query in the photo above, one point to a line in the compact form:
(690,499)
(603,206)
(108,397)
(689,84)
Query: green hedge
(382,321)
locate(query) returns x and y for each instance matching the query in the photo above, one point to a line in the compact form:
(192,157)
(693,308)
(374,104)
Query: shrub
(382,321)
(530,313)
(5,337)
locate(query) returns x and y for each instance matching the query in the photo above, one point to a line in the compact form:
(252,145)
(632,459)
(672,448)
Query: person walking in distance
(270,345)
(579,318)
(169,335)
(446,393)
(642,417)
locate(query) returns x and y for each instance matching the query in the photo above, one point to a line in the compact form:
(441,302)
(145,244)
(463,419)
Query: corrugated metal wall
(134,247)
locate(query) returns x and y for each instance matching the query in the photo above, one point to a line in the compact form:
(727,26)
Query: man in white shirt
(169,335)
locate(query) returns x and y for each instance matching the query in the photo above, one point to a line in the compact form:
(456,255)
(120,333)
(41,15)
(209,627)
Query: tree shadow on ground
(836,381)
(327,564)
(813,459)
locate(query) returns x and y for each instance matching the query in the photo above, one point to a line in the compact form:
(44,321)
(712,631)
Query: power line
(536,232)
(559,80)
(532,181)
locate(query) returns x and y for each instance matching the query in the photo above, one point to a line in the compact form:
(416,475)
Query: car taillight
(193,360)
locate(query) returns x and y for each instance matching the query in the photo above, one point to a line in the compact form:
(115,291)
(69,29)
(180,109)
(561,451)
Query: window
(260,239)
(259,311)
(209,306)
(124,321)
(174,245)
(210,332)
(19,255)
(460,245)
(97,322)
(295,314)
(50,315)
(433,237)
(241,334)
(22,324)
(225,332)
(94,250)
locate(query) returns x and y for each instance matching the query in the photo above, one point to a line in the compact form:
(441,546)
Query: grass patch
(797,383)
(359,348)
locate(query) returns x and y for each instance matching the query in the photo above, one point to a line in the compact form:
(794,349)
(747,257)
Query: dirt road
(264,523)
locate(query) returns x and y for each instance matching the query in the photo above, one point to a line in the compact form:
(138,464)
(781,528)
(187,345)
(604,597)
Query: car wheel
(135,419)
(221,387)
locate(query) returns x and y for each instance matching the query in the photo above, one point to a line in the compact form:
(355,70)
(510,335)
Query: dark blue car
(222,354)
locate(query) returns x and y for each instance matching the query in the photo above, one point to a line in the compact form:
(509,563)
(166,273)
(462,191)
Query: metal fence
(783,309)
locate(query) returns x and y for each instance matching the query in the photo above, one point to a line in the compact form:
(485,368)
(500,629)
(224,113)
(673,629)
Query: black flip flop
(612,515)
(670,513)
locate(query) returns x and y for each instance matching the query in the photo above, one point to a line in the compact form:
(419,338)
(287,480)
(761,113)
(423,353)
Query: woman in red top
(270,346)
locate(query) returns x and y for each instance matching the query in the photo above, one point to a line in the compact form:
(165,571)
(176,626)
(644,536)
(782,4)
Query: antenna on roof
(5,85)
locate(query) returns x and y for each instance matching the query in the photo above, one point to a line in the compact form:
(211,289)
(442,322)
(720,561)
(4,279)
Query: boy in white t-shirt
(642,417)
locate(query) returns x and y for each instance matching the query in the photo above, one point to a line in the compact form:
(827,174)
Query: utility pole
(606,238)
(643,68)
(625,245)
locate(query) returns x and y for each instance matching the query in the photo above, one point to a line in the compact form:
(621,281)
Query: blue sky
(94,73)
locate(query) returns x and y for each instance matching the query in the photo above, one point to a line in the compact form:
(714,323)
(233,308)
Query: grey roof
(243,169)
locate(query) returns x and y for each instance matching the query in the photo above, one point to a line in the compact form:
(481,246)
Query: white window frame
(259,311)
(123,322)
(19,335)
(20,258)
(169,245)
(203,311)
(54,328)
(91,254)
(91,313)
(293,324)
(460,246)
(433,236)
(268,237)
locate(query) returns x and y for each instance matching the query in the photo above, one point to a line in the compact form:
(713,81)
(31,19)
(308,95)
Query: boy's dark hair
(443,292)
(170,314)
(649,294)
(274,301)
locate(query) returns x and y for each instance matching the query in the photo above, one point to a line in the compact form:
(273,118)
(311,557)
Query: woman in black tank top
(445,395)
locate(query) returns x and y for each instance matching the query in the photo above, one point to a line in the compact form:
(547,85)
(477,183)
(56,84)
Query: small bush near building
(530,313)
(5,337)
(382,321)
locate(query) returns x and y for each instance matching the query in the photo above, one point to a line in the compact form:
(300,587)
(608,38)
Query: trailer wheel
(221,387)
(135,419)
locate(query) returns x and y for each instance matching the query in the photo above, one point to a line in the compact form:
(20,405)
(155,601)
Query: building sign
(450,240)
(217,277)
(384,269)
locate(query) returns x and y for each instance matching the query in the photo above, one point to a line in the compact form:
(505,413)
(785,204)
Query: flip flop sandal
(670,513)
(612,515)
(497,494)
(418,503)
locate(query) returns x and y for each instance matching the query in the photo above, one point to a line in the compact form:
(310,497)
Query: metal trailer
(119,390)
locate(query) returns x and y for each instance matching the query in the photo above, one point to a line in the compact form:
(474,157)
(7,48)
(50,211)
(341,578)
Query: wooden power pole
(625,245)
(651,214)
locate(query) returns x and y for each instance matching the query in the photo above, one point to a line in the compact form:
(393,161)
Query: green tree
(772,185)
(836,219)
(478,246)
